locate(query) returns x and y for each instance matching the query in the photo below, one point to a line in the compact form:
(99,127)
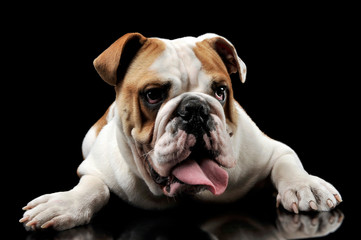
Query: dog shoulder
(94,131)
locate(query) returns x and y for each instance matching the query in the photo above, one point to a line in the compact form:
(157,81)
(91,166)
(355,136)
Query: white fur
(179,64)
(88,141)
(110,159)
(91,135)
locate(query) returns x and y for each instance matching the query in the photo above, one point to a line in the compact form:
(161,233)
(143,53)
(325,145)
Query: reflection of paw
(60,210)
(86,232)
(308,193)
(310,225)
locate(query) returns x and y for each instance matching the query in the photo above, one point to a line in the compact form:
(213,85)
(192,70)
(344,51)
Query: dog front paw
(307,193)
(61,210)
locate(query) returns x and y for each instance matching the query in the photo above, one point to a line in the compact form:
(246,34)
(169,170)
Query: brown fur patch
(213,65)
(136,117)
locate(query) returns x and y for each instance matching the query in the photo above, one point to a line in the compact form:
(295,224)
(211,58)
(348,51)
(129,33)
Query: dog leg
(298,190)
(64,210)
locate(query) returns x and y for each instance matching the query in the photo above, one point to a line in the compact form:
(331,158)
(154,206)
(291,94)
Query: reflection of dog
(286,226)
(176,129)
(236,225)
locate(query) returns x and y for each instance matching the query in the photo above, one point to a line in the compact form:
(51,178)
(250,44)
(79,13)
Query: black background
(301,85)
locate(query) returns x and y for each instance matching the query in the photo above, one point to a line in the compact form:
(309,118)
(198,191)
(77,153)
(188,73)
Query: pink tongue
(206,173)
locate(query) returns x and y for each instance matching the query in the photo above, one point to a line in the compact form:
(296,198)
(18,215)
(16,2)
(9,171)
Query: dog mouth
(199,171)
(192,156)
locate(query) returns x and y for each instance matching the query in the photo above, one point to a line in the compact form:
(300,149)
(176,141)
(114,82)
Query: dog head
(176,108)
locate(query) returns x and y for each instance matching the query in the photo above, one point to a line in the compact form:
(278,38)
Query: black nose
(193,110)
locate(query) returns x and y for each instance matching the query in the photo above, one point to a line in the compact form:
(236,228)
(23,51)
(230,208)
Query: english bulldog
(173,131)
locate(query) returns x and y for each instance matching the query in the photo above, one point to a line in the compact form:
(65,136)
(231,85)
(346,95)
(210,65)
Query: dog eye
(220,93)
(154,95)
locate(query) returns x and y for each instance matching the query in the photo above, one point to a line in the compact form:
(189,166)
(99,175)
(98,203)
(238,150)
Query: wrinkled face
(192,144)
(176,106)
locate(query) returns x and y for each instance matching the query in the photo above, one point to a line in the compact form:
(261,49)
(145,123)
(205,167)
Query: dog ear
(227,52)
(112,64)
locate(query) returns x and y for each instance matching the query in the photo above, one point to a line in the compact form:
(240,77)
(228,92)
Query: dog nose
(193,110)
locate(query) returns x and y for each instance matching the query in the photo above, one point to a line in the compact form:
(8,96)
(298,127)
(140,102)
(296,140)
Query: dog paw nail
(329,203)
(47,224)
(313,205)
(315,221)
(296,219)
(24,219)
(32,223)
(295,208)
(338,198)
(340,219)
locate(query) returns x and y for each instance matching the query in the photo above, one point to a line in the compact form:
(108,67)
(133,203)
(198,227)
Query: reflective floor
(233,221)
(229,226)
